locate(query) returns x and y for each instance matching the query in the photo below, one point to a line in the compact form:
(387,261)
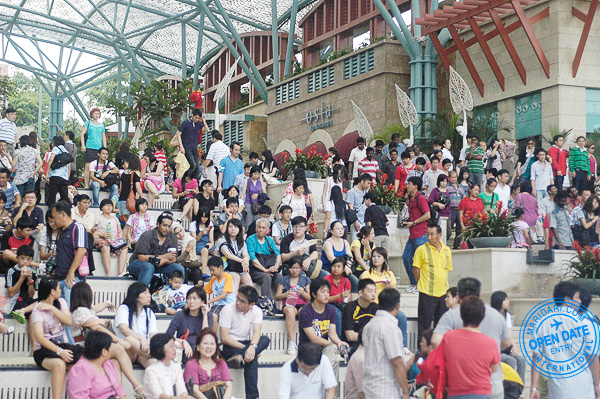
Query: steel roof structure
(146,38)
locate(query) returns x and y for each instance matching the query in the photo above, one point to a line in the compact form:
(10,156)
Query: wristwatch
(255,346)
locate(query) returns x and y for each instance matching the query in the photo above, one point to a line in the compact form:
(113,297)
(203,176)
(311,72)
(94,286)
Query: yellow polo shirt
(434,267)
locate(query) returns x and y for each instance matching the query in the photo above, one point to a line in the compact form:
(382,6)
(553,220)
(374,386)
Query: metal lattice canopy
(158,37)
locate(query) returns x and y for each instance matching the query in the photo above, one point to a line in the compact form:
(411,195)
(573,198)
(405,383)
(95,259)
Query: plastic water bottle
(292,299)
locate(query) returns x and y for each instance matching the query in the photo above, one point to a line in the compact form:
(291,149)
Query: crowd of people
(341,291)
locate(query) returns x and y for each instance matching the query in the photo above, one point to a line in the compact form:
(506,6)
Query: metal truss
(146,38)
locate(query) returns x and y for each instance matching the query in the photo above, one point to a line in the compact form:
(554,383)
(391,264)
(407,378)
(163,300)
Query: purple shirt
(434,196)
(193,370)
(252,189)
(529,205)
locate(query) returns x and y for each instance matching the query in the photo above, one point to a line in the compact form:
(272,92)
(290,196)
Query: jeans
(403,325)
(580,181)
(477,177)
(517,362)
(144,271)
(251,368)
(409,253)
(265,280)
(114,192)
(455,224)
(66,294)
(338,322)
(193,159)
(28,185)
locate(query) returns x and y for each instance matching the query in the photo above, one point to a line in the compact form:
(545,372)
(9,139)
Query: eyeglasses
(299,226)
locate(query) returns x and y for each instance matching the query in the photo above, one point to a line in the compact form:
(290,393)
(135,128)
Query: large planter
(590,285)
(309,174)
(490,242)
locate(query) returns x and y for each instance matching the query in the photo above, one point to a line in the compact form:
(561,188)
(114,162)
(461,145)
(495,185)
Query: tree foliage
(99,95)
(26,100)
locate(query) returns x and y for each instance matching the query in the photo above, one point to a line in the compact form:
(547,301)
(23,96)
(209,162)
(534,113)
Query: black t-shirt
(12,277)
(209,202)
(126,184)
(37,215)
(354,316)
(389,169)
(376,216)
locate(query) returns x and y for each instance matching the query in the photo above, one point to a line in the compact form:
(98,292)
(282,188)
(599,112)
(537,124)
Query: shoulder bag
(267,261)
(131,197)
(61,160)
(213,390)
(84,267)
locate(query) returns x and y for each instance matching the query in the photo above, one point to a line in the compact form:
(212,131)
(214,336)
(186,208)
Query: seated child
(171,297)
(425,348)
(221,284)
(15,239)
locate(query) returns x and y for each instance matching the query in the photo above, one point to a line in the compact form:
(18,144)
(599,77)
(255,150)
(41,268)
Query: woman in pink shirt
(593,165)
(95,376)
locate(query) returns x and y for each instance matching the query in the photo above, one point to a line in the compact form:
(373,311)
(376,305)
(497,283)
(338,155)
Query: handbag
(254,206)
(131,198)
(61,160)
(351,216)
(267,261)
(84,267)
(313,227)
(117,244)
(213,390)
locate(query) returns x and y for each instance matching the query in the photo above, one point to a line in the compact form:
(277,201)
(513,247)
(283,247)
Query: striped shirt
(456,194)
(368,167)
(8,131)
(579,159)
(476,165)
(160,156)
(434,266)
(217,151)
(11,191)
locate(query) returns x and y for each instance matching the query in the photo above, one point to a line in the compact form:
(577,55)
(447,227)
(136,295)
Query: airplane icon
(556,324)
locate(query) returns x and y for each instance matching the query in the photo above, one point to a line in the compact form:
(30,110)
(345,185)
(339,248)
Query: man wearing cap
(8,129)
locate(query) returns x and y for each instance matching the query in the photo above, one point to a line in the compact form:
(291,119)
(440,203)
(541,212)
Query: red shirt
(475,206)
(160,156)
(559,160)
(546,225)
(416,208)
(370,167)
(15,243)
(468,356)
(401,174)
(344,285)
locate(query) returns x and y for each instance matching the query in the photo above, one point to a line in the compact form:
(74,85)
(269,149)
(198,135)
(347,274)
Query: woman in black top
(131,176)
(268,166)
(205,197)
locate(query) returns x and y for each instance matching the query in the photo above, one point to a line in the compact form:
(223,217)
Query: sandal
(138,395)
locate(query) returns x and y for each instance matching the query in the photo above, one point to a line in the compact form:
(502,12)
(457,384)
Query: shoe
(180,221)
(123,274)
(412,289)
(235,362)
(292,348)
(11,329)
(18,317)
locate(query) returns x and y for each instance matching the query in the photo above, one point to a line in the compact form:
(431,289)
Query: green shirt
(476,165)
(489,200)
(579,159)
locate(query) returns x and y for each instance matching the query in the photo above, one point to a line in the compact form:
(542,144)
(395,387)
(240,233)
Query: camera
(155,261)
(405,221)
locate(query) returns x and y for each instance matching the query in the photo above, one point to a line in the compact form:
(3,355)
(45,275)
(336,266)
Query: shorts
(44,353)
(122,205)
(91,155)
(183,201)
(216,309)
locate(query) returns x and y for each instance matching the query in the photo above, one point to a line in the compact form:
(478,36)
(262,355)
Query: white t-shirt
(98,169)
(217,152)
(355,157)
(80,316)
(503,194)
(138,323)
(294,384)
(330,207)
(240,324)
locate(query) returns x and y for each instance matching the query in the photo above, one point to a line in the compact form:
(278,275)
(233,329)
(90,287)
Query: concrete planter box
(506,269)
(277,191)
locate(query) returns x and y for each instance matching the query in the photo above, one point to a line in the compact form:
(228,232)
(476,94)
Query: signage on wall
(321,114)
(528,116)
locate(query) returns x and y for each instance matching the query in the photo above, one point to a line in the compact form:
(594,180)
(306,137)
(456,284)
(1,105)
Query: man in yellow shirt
(431,265)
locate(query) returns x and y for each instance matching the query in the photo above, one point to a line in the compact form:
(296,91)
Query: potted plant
(492,229)
(311,161)
(387,197)
(585,268)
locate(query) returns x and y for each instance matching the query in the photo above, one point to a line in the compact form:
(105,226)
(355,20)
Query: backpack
(267,305)
(61,160)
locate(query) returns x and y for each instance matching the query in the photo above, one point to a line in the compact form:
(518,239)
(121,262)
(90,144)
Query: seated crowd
(342,292)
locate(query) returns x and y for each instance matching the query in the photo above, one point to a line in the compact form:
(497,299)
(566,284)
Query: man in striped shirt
(217,151)
(579,163)
(475,161)
(8,129)
(369,165)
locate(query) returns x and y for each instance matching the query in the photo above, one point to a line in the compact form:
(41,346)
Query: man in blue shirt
(230,168)
(394,144)
(262,248)
(355,198)
(188,139)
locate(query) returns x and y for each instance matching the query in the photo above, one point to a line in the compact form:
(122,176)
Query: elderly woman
(95,376)
(164,379)
(265,258)
(252,188)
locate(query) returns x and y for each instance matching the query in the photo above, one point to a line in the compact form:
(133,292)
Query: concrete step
(24,380)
